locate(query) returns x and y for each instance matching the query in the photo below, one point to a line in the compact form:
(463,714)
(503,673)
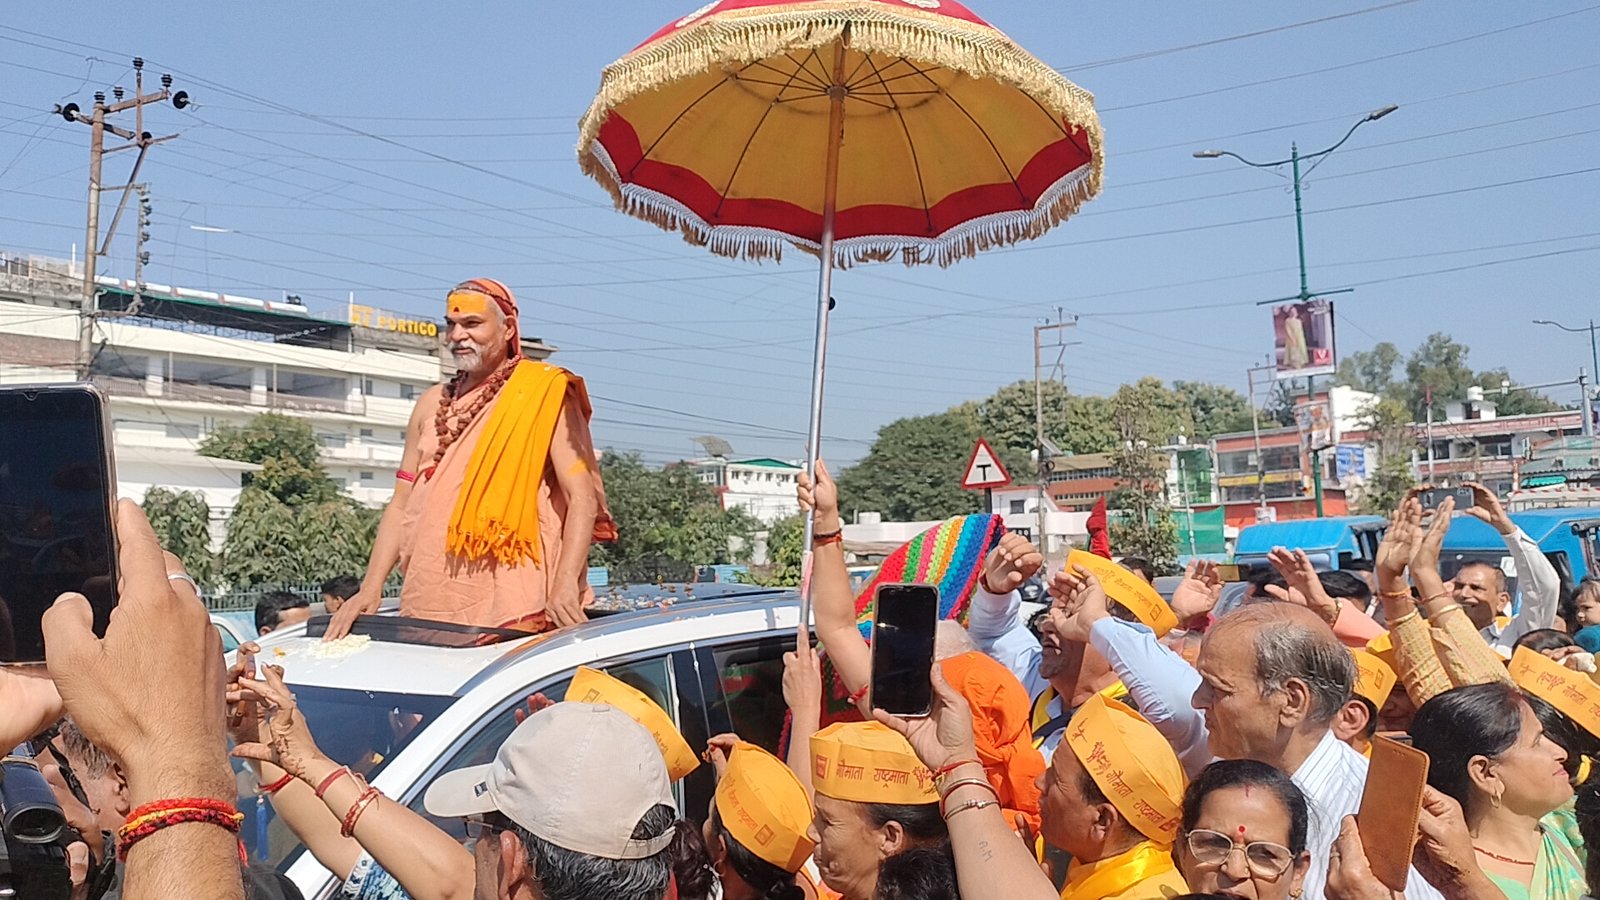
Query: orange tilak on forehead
(468,303)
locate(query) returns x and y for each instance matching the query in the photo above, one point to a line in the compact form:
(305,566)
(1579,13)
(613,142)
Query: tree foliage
(1438,366)
(285,448)
(668,522)
(1389,422)
(785,554)
(913,471)
(1144,527)
(182,523)
(1213,408)
(263,542)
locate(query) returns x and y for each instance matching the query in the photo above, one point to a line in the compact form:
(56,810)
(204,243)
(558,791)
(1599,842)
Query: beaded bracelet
(970,804)
(276,786)
(348,827)
(153,817)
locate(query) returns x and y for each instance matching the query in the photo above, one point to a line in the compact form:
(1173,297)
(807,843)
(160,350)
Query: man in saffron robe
(498,496)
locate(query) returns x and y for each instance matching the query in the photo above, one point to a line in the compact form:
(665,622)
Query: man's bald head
(1292,642)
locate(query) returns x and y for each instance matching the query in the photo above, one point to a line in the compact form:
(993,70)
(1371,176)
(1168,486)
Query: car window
(361,729)
(229,642)
(750,700)
(652,677)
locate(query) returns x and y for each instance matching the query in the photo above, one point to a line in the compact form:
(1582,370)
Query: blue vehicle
(1569,538)
(1332,543)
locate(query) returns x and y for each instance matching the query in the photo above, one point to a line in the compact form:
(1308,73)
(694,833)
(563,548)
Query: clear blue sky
(1164,283)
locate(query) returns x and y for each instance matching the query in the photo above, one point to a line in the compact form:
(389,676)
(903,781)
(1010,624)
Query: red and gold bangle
(276,786)
(403,475)
(333,776)
(153,817)
(367,798)
(947,790)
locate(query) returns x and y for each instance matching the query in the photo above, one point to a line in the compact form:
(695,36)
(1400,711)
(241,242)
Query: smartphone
(57,496)
(1229,572)
(1433,498)
(904,617)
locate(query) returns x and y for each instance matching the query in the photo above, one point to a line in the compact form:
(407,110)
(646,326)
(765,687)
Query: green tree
(1145,526)
(785,554)
(182,523)
(1388,421)
(1370,370)
(1514,403)
(1157,414)
(913,471)
(1439,365)
(264,543)
(285,448)
(668,522)
(1213,408)
(335,539)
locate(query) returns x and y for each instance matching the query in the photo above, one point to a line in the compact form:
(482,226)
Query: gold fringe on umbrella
(744,36)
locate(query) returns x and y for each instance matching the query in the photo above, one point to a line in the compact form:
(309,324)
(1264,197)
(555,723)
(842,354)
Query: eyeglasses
(486,826)
(1264,858)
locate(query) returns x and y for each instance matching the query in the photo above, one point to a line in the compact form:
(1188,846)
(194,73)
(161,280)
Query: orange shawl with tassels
(496,513)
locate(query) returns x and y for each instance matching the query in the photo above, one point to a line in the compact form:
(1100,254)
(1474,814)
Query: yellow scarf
(497,512)
(1110,877)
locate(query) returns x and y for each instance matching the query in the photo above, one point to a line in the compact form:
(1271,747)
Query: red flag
(1099,534)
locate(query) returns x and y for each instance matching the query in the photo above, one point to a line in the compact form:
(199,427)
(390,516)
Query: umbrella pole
(819,362)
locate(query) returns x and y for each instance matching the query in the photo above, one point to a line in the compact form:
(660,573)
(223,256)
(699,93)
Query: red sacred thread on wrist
(333,776)
(278,785)
(855,698)
(347,828)
(152,817)
(951,767)
(409,477)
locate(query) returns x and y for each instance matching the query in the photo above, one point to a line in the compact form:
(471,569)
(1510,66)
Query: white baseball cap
(579,775)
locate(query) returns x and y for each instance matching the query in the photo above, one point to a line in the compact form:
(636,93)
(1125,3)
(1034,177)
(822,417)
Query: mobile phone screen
(55,511)
(902,648)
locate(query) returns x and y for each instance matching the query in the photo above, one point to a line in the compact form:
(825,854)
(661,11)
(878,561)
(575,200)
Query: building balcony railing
(122,386)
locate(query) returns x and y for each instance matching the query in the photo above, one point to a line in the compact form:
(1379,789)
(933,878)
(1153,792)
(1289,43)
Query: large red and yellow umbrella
(856,130)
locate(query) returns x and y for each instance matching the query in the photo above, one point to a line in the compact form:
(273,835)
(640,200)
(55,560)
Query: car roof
(385,666)
(1307,534)
(1468,533)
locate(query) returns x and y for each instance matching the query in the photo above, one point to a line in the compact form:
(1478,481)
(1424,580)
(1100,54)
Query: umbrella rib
(645,152)
(823,80)
(997,154)
(745,150)
(791,76)
(916,162)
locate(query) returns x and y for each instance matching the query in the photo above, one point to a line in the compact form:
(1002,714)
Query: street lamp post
(1589,400)
(1294,160)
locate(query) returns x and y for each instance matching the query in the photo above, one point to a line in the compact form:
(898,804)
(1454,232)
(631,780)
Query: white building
(764,488)
(182,362)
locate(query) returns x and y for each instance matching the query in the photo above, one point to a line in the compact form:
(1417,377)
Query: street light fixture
(1594,359)
(1294,160)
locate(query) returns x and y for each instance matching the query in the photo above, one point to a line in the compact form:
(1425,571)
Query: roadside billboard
(1302,335)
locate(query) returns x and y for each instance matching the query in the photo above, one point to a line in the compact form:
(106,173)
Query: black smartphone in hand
(1434,497)
(904,618)
(57,502)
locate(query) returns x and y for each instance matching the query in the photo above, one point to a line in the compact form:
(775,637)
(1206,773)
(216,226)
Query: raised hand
(1486,508)
(536,703)
(1400,540)
(1013,561)
(718,749)
(1081,603)
(945,736)
(1425,554)
(1305,587)
(802,677)
(820,493)
(288,743)
(1197,594)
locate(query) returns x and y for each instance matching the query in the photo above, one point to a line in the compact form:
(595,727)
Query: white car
(421,698)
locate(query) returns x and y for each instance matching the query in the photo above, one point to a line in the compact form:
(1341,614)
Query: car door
(668,679)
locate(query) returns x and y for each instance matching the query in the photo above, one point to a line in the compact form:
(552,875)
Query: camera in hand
(33,856)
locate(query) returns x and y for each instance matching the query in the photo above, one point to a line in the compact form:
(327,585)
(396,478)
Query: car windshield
(362,729)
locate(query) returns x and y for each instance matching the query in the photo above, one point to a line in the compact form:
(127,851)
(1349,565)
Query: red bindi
(1241,831)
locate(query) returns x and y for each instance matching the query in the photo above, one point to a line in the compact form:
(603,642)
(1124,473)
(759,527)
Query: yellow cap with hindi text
(1573,693)
(1132,764)
(594,686)
(869,762)
(765,808)
(1129,589)
(1374,678)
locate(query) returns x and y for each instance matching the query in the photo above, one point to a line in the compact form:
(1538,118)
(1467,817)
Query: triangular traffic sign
(984,470)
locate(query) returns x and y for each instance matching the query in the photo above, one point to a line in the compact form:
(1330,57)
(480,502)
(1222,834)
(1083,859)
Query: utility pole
(1591,403)
(1044,450)
(141,256)
(138,139)
(1255,424)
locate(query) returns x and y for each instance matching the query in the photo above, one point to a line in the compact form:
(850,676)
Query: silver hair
(951,639)
(1288,646)
(563,874)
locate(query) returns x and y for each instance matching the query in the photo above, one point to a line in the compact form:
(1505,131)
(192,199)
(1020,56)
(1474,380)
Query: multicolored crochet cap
(949,555)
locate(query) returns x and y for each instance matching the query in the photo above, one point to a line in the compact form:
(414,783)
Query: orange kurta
(448,587)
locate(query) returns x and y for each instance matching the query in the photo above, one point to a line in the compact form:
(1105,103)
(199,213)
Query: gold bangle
(970,804)
(1403,619)
(1454,607)
(1394,595)
(945,790)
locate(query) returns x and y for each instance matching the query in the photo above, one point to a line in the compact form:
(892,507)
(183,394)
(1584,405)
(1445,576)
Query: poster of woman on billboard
(1303,338)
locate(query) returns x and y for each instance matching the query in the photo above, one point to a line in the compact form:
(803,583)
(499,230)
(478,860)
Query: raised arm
(1464,655)
(832,602)
(802,691)
(386,544)
(1416,662)
(572,460)
(1538,584)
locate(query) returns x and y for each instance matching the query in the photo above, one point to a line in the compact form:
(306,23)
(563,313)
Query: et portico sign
(383,320)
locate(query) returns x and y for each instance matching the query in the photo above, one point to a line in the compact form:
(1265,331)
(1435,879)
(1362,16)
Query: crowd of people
(1097,751)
